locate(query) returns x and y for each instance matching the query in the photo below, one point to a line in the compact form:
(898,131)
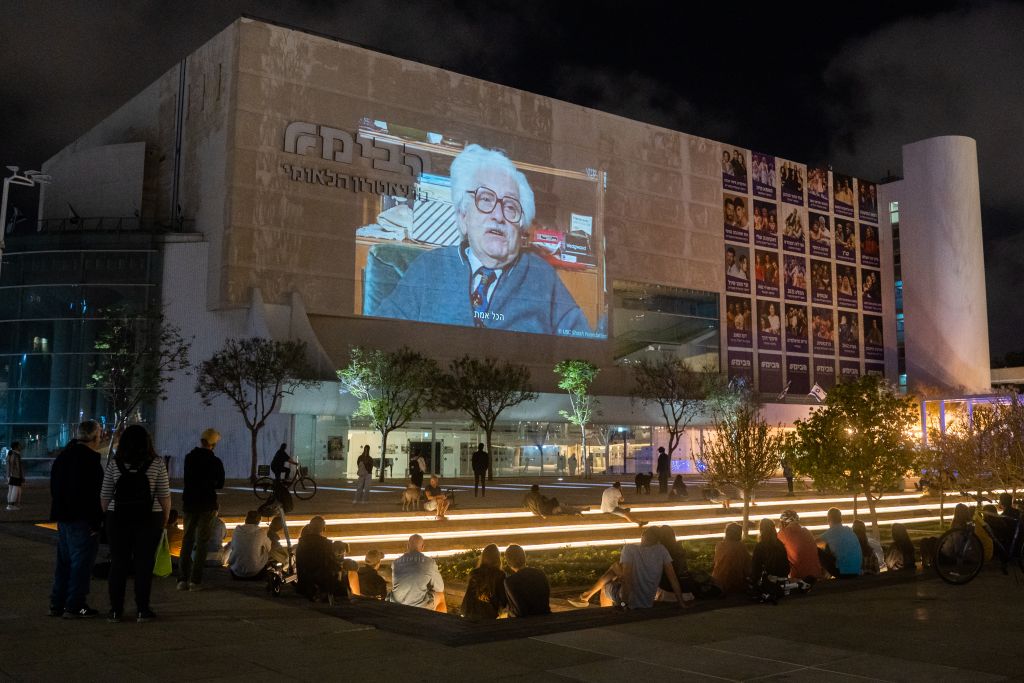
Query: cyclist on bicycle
(279,465)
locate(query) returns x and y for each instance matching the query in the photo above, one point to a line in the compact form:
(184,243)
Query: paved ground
(907,631)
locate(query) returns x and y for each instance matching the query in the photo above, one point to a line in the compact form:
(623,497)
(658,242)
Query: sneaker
(12,508)
(193,587)
(183,585)
(146,615)
(85,612)
(114,617)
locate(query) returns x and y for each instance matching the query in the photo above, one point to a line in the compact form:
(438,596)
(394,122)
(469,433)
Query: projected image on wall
(487,242)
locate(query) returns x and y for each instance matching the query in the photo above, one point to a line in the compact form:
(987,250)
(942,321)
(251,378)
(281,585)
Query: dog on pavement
(411,497)
(643,482)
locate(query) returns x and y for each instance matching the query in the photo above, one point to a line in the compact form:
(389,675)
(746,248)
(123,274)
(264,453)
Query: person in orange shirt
(801,548)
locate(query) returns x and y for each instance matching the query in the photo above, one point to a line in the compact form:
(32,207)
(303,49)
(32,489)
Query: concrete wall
(946,316)
(104,181)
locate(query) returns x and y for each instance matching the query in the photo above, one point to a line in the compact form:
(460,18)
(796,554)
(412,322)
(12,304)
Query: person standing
(664,469)
(787,472)
(364,472)
(76,479)
(417,468)
(573,464)
(204,474)
(15,477)
(137,499)
(481,462)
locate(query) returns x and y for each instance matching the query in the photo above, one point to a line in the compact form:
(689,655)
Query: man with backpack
(204,474)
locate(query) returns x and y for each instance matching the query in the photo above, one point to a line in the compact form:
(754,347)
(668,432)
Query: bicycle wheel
(959,556)
(263,488)
(304,488)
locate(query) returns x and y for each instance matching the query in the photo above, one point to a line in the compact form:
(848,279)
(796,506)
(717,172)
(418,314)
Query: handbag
(162,564)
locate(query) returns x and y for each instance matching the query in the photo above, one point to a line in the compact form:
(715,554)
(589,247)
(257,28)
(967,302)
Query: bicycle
(959,554)
(302,485)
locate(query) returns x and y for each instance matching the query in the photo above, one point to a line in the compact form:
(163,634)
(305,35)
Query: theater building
(288,185)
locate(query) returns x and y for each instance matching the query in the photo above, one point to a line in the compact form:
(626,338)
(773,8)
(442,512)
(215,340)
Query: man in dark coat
(664,470)
(481,463)
(204,474)
(75,481)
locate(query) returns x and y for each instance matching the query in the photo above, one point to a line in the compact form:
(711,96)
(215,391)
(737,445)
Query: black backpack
(131,491)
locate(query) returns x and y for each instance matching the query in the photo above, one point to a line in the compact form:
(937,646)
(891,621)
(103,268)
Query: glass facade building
(54,289)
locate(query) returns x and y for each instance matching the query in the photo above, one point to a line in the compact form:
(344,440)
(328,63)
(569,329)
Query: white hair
(472,159)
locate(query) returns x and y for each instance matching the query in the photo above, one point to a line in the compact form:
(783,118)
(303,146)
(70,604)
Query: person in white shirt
(249,550)
(611,503)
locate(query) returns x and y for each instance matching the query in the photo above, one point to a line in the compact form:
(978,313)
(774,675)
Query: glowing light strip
(577,528)
(784,502)
(622,541)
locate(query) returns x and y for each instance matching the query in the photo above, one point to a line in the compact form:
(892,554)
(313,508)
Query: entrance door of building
(433,458)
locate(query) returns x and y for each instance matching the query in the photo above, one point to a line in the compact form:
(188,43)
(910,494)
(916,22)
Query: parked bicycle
(960,554)
(302,485)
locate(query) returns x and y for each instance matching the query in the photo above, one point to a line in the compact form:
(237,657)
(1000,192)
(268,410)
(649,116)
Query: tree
(138,356)
(483,389)
(576,378)
(254,374)
(677,389)
(392,387)
(744,450)
(861,439)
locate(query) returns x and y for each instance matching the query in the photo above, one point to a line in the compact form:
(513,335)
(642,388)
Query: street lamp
(25,179)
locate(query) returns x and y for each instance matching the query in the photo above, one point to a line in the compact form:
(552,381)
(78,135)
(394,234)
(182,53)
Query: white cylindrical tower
(943,263)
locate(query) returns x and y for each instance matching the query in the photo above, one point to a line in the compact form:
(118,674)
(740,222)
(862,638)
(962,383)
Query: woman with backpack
(137,500)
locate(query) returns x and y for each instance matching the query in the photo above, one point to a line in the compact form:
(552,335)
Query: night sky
(842,83)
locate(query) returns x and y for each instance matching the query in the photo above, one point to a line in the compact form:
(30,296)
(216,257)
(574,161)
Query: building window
(894,212)
(655,319)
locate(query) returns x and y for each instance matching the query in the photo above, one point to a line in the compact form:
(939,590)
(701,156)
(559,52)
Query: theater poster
(821,282)
(769,373)
(843,194)
(796,329)
(874,348)
(823,330)
(798,375)
(734,169)
(849,370)
(867,201)
(871,290)
(817,188)
(766,273)
(792,180)
(874,369)
(795,274)
(819,234)
(846,286)
(736,213)
(741,365)
(769,325)
(846,241)
(825,372)
(737,269)
(794,228)
(737,322)
(762,171)
(869,248)
(849,335)
(766,224)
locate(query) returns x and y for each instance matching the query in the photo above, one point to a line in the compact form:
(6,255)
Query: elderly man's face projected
(492,237)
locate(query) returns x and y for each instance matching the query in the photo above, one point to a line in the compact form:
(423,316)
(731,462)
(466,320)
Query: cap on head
(210,437)
(788,517)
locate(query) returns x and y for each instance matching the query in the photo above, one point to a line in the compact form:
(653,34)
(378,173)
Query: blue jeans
(362,489)
(76,551)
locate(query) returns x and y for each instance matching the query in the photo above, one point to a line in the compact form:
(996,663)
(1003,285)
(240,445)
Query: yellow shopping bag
(162,565)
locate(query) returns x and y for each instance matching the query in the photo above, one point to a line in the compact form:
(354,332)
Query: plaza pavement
(916,630)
